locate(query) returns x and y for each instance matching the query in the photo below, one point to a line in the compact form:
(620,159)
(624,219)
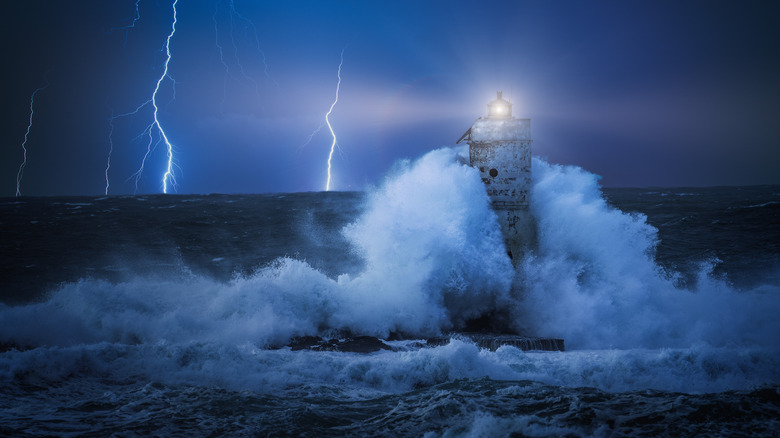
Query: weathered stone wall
(495,128)
(501,150)
(505,169)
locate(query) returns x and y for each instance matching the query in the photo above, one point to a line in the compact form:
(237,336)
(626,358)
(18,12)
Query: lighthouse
(500,148)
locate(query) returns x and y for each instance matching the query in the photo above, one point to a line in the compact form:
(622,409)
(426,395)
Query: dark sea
(172,315)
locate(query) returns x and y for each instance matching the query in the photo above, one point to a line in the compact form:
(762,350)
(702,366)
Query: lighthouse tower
(500,147)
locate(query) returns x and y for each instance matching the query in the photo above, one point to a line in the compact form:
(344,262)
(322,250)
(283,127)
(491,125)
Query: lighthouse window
(493,173)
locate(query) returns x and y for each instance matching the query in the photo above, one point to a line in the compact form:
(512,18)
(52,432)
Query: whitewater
(196,344)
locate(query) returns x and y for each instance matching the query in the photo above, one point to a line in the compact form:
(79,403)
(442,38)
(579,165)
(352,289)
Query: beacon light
(500,107)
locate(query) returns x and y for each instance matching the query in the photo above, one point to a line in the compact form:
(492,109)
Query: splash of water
(434,259)
(594,281)
(433,254)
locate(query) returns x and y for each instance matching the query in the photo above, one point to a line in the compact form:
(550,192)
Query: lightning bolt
(20,173)
(168,175)
(110,147)
(221,58)
(249,23)
(154,127)
(330,127)
(127,28)
(234,15)
(136,176)
(311,136)
(114,117)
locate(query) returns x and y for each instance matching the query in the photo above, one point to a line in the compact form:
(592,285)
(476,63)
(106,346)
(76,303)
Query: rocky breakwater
(371,344)
(490,341)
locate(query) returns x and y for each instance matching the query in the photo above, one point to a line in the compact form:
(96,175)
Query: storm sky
(642,93)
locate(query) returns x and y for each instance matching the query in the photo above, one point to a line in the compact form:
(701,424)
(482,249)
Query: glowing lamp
(500,107)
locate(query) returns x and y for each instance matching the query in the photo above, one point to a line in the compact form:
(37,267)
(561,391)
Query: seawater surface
(168,315)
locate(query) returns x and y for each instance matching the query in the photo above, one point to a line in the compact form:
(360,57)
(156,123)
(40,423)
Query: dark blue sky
(655,93)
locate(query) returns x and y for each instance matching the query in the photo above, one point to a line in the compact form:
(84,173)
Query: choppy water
(162,314)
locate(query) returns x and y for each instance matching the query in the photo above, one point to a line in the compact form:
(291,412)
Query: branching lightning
(127,28)
(221,58)
(249,23)
(168,175)
(330,127)
(110,147)
(136,176)
(154,128)
(154,134)
(311,136)
(234,15)
(20,173)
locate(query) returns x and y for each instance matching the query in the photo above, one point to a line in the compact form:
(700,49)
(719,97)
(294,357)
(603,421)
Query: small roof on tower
(500,107)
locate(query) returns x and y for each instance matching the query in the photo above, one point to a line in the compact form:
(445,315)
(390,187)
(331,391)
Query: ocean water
(169,315)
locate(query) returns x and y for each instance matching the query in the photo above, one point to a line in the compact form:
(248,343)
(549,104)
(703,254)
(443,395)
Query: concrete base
(493,341)
(370,344)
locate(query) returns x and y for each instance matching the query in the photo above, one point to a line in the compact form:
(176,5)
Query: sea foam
(593,279)
(433,254)
(351,375)
(434,258)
